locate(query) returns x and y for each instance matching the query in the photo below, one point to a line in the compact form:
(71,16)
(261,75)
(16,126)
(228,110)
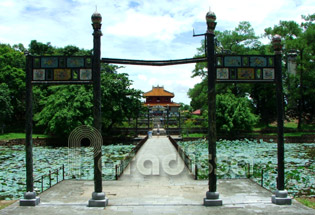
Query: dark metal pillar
(97,116)
(98,197)
(29,126)
(211,113)
(280,113)
(30,198)
(212,196)
(281,195)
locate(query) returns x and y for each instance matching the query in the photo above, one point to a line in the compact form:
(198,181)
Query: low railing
(258,172)
(188,162)
(119,168)
(56,175)
(260,175)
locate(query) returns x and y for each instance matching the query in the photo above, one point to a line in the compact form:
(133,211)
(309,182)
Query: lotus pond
(78,164)
(258,160)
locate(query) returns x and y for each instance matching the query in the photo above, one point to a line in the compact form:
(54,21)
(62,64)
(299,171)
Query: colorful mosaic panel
(268,74)
(88,62)
(62,62)
(246,73)
(231,61)
(49,74)
(85,74)
(258,73)
(233,74)
(271,61)
(75,62)
(49,62)
(38,74)
(62,74)
(219,61)
(258,61)
(36,62)
(222,73)
(75,74)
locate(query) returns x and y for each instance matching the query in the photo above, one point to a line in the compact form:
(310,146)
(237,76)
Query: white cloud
(142,77)
(155,29)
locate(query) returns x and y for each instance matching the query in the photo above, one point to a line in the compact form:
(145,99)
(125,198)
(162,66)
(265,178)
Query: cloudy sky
(141,29)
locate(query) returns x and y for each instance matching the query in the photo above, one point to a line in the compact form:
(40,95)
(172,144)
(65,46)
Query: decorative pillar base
(98,200)
(281,198)
(30,199)
(212,199)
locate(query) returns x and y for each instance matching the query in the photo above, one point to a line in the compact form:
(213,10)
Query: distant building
(196,112)
(159,100)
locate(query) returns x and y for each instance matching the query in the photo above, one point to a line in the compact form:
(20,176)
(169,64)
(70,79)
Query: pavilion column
(179,122)
(148,118)
(98,196)
(281,195)
(212,196)
(167,118)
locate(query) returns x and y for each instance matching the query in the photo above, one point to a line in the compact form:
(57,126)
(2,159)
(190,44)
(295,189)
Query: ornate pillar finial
(276,42)
(96,20)
(210,18)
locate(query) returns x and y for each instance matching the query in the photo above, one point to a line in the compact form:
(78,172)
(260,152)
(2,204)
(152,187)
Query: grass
(293,125)
(10,136)
(293,134)
(297,134)
(253,134)
(195,135)
(6,203)
(309,202)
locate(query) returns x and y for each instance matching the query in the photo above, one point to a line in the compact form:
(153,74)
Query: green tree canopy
(12,63)
(67,107)
(6,108)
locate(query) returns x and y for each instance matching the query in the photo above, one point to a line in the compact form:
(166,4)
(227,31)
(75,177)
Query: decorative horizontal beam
(62,82)
(153,62)
(245,81)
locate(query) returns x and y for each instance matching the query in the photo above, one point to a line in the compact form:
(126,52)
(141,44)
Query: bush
(233,114)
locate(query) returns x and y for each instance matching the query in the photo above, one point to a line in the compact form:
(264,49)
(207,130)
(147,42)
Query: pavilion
(159,100)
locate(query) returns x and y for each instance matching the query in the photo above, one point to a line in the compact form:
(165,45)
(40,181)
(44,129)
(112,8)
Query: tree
(309,74)
(38,48)
(234,114)
(185,107)
(199,95)
(67,107)
(241,40)
(120,101)
(298,88)
(6,109)
(291,33)
(12,64)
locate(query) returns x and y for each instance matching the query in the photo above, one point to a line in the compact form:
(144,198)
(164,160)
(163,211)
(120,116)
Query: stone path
(157,162)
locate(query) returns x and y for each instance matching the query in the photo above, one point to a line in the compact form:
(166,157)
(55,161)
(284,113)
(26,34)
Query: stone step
(161,131)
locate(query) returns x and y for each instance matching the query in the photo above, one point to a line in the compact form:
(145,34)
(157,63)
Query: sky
(141,29)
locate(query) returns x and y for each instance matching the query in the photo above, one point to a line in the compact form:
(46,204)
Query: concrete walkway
(157,184)
(157,162)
